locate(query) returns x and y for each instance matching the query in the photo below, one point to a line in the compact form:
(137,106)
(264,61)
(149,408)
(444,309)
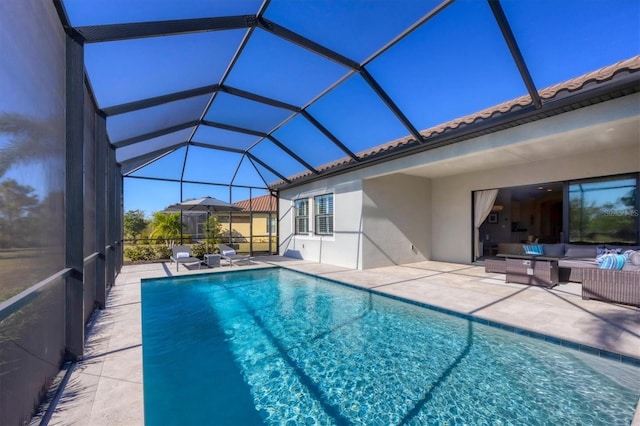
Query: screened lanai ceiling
(254,93)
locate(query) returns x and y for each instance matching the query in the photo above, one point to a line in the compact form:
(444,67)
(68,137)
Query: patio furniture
(182,254)
(212,260)
(609,285)
(497,266)
(573,259)
(229,253)
(532,270)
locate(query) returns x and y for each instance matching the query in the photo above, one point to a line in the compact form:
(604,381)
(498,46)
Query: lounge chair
(229,253)
(182,254)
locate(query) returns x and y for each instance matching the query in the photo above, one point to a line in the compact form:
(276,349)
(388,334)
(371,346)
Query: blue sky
(455,64)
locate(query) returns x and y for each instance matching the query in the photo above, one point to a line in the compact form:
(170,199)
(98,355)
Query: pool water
(277,347)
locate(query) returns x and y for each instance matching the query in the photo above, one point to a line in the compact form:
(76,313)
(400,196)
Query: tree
(16,203)
(213,231)
(134,223)
(166,226)
(31,141)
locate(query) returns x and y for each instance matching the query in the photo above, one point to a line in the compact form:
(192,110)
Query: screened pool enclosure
(113,105)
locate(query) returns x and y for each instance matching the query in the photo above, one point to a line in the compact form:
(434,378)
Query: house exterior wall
(343,248)
(367,213)
(396,220)
(451,196)
(242,226)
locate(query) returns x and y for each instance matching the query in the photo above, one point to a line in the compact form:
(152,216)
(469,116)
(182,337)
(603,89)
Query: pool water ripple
(314,352)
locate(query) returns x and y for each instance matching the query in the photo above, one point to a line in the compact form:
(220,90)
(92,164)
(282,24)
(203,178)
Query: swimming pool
(277,347)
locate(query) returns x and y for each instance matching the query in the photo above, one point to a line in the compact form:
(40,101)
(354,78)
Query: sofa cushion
(628,266)
(581,251)
(510,248)
(612,261)
(554,249)
(577,263)
(634,258)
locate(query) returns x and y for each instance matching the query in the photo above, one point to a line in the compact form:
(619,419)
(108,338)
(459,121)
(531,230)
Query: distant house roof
(558,91)
(263,204)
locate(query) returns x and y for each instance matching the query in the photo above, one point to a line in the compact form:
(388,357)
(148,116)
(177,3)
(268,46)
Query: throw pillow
(533,249)
(635,258)
(612,261)
(182,254)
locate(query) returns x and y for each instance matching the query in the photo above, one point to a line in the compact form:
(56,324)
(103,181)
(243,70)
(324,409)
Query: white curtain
(483,201)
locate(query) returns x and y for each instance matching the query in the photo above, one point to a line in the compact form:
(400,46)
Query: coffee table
(529,269)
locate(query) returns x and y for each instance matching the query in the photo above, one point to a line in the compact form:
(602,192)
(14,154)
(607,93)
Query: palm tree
(166,226)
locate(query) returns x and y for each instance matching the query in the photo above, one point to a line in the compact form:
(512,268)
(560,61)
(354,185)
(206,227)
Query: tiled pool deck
(106,387)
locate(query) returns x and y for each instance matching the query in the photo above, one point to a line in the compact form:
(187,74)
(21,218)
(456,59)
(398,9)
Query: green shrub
(162,252)
(199,250)
(137,253)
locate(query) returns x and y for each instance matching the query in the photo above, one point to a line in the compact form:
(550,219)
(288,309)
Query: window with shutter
(302,216)
(323,214)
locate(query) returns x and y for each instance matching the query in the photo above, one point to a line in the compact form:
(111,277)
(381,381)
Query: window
(603,211)
(302,216)
(271,225)
(324,214)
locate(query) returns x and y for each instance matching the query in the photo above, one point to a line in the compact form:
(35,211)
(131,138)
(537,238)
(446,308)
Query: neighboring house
(258,219)
(255,224)
(566,172)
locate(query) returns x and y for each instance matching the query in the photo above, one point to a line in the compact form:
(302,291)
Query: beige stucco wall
(396,220)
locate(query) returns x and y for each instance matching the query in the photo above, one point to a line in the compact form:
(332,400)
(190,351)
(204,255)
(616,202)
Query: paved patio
(106,387)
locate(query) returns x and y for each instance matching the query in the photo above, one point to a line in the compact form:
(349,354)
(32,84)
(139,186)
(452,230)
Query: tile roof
(264,203)
(557,91)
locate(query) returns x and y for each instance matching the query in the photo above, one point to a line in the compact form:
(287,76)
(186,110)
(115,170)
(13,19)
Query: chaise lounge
(182,254)
(229,253)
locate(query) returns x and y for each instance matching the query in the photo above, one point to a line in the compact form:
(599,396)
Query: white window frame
(317,215)
(296,216)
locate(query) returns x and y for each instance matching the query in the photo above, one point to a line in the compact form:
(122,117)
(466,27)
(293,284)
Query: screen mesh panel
(244,113)
(220,137)
(356,116)
(308,142)
(32,184)
(602,33)
(89,235)
(163,116)
(93,12)
(443,87)
(293,75)
(356,29)
(32,146)
(129,70)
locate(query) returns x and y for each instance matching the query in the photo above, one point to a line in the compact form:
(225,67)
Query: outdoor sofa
(577,263)
(573,259)
(614,286)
